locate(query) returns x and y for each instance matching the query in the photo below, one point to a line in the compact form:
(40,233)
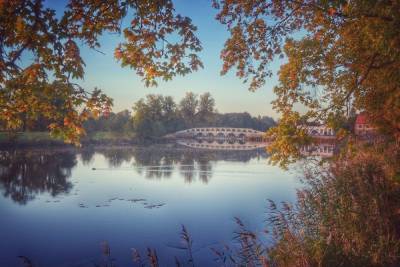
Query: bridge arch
(231,136)
(210,137)
(199,135)
(220,135)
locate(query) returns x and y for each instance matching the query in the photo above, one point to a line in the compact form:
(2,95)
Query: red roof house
(363,126)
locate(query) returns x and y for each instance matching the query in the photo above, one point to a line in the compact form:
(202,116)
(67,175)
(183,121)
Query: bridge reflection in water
(222,144)
(321,149)
(220,138)
(317,149)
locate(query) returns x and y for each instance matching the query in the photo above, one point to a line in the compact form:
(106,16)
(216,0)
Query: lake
(58,205)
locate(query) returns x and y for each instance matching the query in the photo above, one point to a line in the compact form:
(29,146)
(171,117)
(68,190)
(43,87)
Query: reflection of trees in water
(26,173)
(86,155)
(158,161)
(187,166)
(154,163)
(192,164)
(205,170)
(197,164)
(116,156)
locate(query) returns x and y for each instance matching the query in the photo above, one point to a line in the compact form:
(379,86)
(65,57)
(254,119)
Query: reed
(107,260)
(26,261)
(188,245)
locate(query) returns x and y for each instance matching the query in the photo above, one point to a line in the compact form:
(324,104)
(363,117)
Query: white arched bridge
(219,133)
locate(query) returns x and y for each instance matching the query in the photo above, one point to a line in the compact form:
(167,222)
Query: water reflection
(25,174)
(116,156)
(158,163)
(319,149)
(231,144)
(87,155)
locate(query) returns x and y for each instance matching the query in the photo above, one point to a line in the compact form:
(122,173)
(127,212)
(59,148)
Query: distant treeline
(157,115)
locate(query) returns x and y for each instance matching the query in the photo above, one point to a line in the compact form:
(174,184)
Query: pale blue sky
(125,87)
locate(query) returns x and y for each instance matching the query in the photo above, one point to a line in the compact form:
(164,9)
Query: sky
(229,92)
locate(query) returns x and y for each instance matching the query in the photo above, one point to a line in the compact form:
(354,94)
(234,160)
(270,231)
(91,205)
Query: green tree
(141,122)
(155,116)
(171,117)
(188,108)
(121,121)
(206,108)
(169,108)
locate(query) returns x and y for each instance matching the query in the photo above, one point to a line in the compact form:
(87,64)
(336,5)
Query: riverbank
(44,139)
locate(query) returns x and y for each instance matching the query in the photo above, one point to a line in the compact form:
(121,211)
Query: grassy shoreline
(43,139)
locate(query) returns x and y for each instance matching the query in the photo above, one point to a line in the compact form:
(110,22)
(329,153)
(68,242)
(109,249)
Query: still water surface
(57,206)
